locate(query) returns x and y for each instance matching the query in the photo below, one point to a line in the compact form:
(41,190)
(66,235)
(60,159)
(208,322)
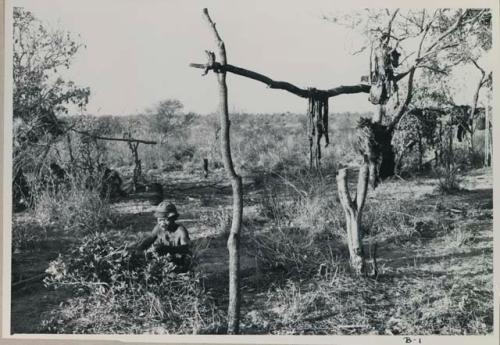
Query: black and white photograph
(278,168)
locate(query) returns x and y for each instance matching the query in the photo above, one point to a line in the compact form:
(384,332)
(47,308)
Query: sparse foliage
(40,95)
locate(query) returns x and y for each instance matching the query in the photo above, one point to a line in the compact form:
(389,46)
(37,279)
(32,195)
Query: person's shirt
(179,237)
(176,241)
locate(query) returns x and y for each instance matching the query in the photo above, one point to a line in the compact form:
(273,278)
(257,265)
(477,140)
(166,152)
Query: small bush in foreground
(116,294)
(449,179)
(26,236)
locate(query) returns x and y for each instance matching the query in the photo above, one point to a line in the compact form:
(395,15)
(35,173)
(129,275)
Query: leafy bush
(117,293)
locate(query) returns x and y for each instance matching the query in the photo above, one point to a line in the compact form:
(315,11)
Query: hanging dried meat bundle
(317,125)
(383,61)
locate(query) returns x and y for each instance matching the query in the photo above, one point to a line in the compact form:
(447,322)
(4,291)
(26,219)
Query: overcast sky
(138,52)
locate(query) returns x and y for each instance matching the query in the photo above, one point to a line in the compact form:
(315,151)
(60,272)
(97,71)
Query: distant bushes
(260,142)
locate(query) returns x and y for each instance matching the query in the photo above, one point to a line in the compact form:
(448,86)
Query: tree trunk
(420,155)
(233,243)
(472,130)
(399,161)
(70,150)
(475,99)
(353,210)
(450,147)
(134,147)
(487,138)
(439,149)
(388,163)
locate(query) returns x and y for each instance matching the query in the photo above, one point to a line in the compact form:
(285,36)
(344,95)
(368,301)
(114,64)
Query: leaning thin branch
(359,51)
(477,66)
(474,19)
(434,69)
(389,25)
(129,140)
(404,106)
(426,31)
(406,58)
(401,75)
(487,79)
(436,51)
(37,277)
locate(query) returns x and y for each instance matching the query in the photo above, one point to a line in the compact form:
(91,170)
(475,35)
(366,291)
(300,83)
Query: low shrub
(26,236)
(115,293)
(448,179)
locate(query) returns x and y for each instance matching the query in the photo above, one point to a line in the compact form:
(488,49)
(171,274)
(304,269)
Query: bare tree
(233,242)
(374,136)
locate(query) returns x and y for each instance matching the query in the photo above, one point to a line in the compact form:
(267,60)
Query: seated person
(168,238)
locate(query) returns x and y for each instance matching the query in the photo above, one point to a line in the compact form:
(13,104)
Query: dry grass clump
(73,208)
(340,303)
(305,229)
(447,306)
(26,235)
(402,221)
(425,286)
(448,179)
(335,303)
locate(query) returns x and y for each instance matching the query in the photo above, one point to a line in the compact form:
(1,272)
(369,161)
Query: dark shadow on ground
(482,198)
(411,260)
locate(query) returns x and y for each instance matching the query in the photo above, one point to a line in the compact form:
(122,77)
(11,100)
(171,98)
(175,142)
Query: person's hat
(166,210)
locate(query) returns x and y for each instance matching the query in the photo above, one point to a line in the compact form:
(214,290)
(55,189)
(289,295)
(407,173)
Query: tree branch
(131,140)
(283,85)
(477,66)
(362,189)
(389,25)
(404,106)
(434,69)
(343,189)
(448,32)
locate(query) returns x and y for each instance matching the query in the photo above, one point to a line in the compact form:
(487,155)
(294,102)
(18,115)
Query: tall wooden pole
(233,242)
